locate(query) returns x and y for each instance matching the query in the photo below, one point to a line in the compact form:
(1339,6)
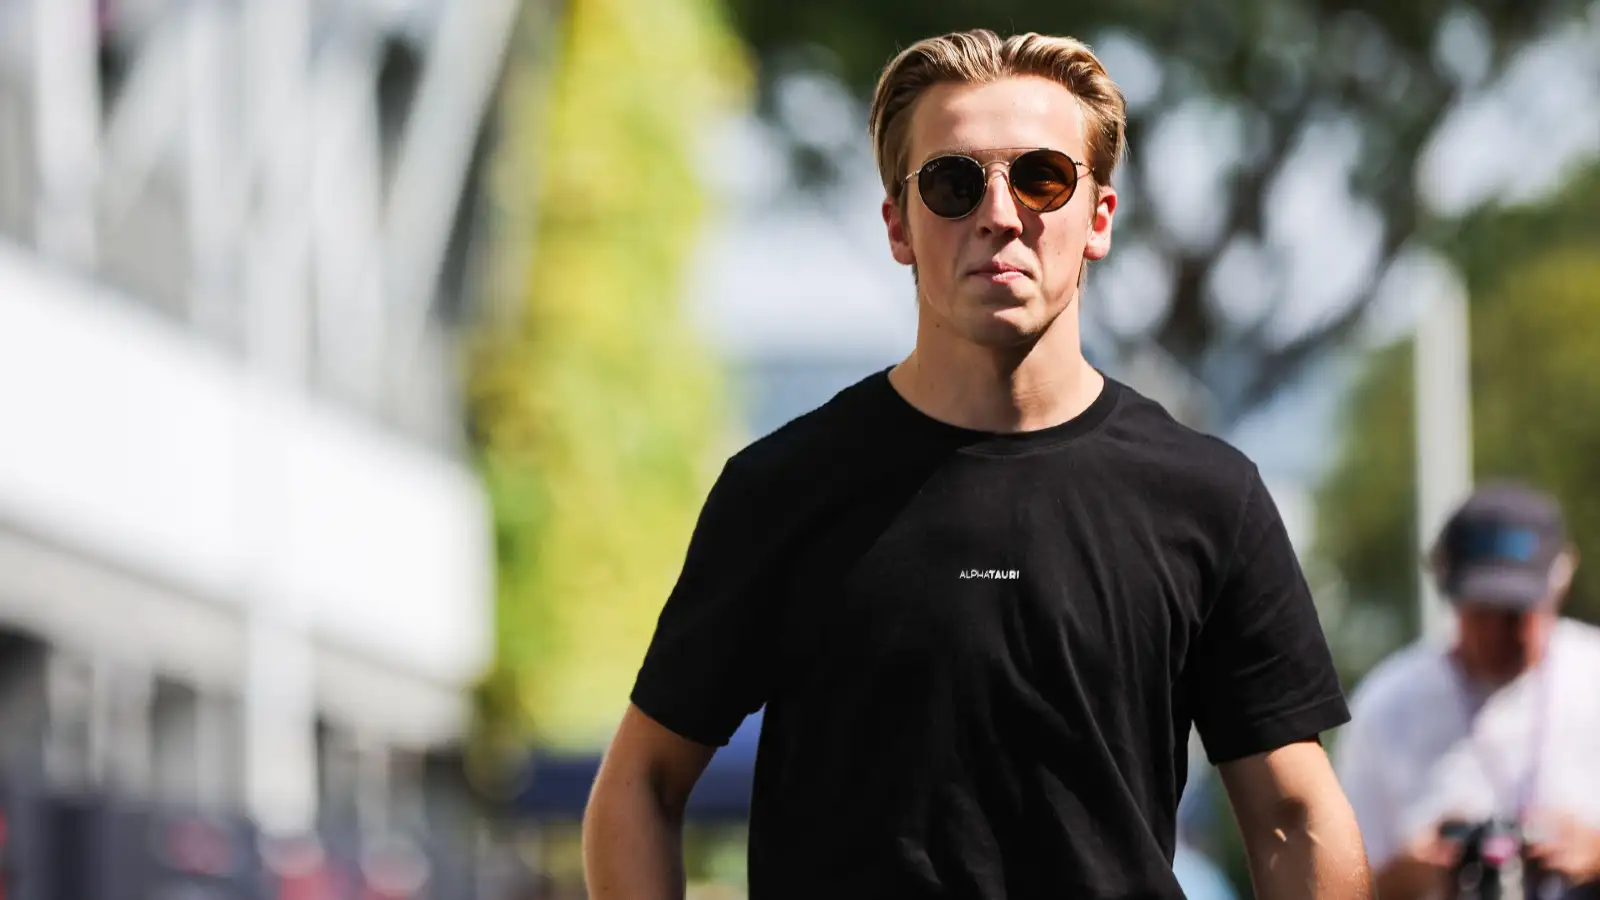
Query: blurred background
(364,363)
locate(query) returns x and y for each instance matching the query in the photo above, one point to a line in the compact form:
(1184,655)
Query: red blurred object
(300,869)
(1499,849)
(198,847)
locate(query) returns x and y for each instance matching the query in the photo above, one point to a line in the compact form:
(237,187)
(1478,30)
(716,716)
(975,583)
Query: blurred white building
(243,562)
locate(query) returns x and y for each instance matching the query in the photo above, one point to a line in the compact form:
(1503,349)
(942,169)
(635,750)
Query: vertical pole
(212,177)
(66,97)
(127,739)
(280,719)
(1443,381)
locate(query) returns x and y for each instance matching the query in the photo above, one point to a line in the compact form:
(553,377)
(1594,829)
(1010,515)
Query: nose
(998,212)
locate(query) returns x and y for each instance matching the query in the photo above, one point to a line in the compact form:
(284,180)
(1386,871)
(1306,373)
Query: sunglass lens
(1044,179)
(951,186)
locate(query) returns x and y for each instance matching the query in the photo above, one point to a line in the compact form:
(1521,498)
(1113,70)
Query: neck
(1486,673)
(1005,390)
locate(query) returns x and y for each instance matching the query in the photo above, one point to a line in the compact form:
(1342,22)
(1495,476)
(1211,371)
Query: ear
(899,234)
(1562,570)
(1105,210)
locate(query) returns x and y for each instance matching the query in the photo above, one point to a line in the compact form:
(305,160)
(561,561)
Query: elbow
(1323,824)
(634,788)
(646,775)
(1296,814)
(1288,825)
(1317,838)
(1298,827)
(1319,828)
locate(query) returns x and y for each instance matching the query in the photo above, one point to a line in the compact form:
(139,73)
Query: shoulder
(834,432)
(1165,458)
(1152,435)
(1577,646)
(1578,634)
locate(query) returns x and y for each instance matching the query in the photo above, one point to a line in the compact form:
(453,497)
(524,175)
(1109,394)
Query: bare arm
(1299,831)
(633,826)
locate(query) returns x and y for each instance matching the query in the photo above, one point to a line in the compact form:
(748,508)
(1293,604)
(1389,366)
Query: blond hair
(980,56)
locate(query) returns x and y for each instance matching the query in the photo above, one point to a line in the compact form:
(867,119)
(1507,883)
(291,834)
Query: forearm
(632,842)
(1311,850)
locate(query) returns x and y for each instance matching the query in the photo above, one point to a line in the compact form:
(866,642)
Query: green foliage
(597,411)
(1366,507)
(1534,280)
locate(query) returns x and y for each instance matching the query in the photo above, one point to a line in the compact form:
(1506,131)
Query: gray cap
(1500,548)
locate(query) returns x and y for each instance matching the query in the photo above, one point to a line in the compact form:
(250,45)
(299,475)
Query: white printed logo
(991,574)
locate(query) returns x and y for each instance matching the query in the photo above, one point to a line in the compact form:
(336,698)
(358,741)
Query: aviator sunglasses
(954,184)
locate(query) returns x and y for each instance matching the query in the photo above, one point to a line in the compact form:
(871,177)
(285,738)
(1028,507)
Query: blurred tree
(1533,276)
(597,412)
(1372,77)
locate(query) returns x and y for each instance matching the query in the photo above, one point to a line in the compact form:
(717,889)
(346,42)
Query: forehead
(1024,111)
(1489,615)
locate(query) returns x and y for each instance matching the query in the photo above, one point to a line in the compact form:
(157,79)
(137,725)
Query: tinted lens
(951,186)
(1043,180)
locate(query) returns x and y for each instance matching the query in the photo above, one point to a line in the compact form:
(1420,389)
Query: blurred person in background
(984,594)
(1502,723)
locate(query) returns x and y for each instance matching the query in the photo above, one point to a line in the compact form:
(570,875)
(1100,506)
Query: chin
(1028,313)
(1002,329)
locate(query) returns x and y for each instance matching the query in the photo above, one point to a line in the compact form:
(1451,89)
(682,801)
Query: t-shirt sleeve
(1261,674)
(708,663)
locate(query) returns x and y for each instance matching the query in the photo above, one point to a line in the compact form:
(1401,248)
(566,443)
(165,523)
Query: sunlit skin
(998,289)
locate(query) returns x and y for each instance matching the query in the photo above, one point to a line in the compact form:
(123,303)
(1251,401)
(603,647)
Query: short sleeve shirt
(981,654)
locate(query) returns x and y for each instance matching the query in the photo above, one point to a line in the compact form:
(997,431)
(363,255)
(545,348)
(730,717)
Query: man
(984,595)
(1504,721)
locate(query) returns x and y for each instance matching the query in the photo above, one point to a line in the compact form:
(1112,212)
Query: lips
(997,267)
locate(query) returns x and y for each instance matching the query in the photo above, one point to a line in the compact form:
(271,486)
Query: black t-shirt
(981,654)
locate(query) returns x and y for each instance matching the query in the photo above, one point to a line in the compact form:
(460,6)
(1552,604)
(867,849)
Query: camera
(1490,864)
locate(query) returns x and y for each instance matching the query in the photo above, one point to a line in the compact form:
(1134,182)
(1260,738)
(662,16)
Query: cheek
(1061,251)
(937,248)
(1067,230)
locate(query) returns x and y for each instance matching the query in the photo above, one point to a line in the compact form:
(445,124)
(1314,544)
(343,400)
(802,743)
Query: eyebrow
(976,151)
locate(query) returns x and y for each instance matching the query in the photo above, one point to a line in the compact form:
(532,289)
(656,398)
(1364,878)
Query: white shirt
(1413,754)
